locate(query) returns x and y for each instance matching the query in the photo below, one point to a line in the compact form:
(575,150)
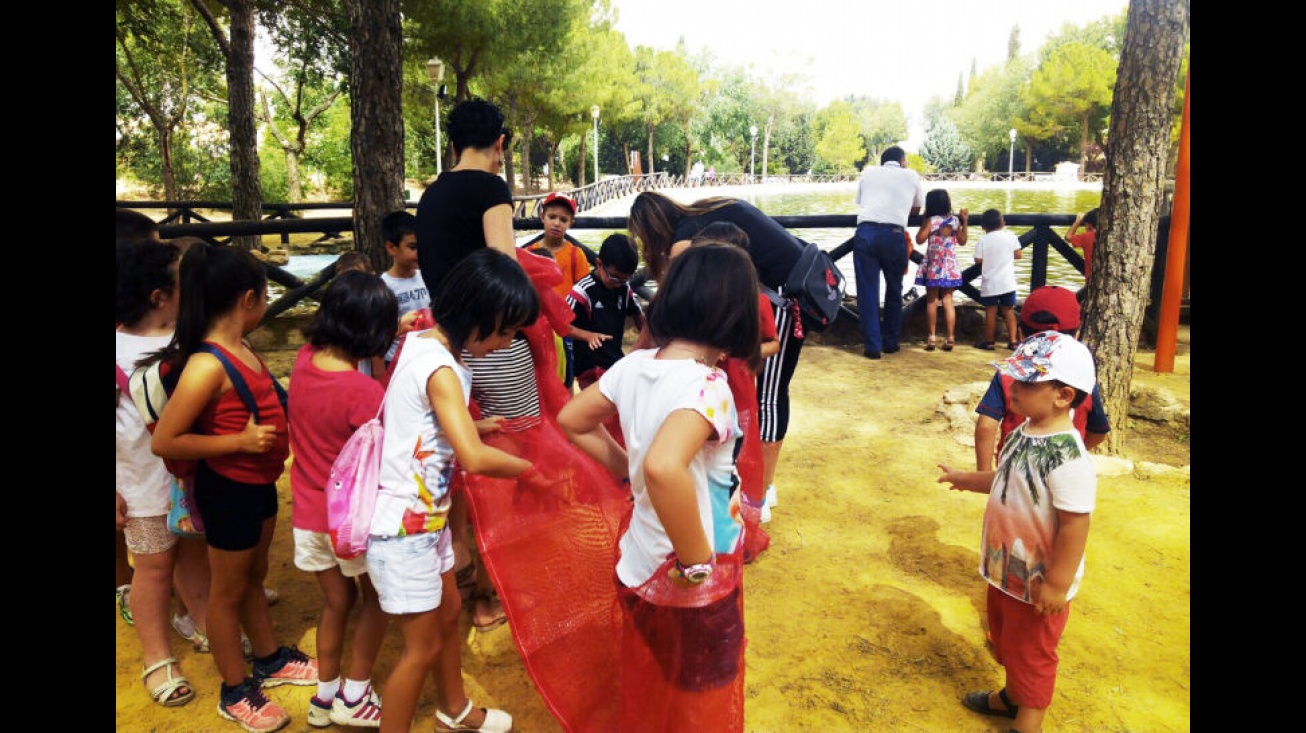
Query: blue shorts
(1006,300)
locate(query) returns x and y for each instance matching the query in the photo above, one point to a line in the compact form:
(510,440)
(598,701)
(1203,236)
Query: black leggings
(773,379)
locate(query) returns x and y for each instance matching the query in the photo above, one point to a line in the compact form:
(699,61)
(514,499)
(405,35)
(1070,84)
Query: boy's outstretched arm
(978,481)
(1067,554)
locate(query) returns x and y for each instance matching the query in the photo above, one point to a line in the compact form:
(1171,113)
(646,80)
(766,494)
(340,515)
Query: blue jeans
(879,249)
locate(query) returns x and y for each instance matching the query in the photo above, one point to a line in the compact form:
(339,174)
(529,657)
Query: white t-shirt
(412,295)
(998,250)
(888,193)
(1037,476)
(417,461)
(142,478)
(646,390)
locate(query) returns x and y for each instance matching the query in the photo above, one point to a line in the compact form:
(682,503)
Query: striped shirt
(503,381)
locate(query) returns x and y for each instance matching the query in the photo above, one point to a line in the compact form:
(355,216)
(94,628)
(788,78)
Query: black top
(449,219)
(773,249)
(602,310)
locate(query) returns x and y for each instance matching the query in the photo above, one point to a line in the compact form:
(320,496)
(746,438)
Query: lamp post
(1011,154)
(594,112)
(752,155)
(435,68)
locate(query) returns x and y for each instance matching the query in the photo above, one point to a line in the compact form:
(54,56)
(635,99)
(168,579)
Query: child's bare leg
(1009,314)
(151,586)
(124,569)
(254,614)
(949,312)
(448,666)
(226,597)
(931,309)
(1029,719)
(403,688)
(338,595)
(369,633)
(190,578)
(990,322)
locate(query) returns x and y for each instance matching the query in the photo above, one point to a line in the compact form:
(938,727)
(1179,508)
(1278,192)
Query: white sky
(904,50)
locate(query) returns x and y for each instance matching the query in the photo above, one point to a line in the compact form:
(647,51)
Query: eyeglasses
(615,279)
(507,136)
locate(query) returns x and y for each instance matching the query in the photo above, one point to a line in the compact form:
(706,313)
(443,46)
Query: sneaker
(185,627)
(986,345)
(125,604)
(764,515)
(200,643)
(319,712)
(253,710)
(365,713)
(771,496)
(271,595)
(289,666)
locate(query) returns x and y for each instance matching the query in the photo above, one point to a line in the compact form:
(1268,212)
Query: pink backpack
(352,486)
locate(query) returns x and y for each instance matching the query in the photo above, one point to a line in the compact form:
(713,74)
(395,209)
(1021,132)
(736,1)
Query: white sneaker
(366,713)
(764,514)
(770,496)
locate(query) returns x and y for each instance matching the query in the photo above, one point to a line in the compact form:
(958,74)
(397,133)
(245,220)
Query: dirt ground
(865,614)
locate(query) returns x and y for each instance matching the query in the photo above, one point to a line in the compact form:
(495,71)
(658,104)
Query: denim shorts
(406,570)
(1006,300)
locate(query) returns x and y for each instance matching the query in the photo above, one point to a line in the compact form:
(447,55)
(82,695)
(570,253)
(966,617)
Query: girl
(146,305)
(485,299)
(939,272)
(223,297)
(329,400)
(678,575)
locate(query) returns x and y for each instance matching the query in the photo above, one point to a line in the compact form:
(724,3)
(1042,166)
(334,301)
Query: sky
(904,50)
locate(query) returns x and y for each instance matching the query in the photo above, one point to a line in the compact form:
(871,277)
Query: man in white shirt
(886,196)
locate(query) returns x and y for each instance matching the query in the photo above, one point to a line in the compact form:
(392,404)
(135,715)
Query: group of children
(386,346)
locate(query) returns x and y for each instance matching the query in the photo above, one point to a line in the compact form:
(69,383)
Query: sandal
(979,702)
(947,345)
(929,344)
(169,694)
(493,609)
(496,721)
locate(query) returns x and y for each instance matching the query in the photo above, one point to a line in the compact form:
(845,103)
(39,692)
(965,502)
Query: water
(837,198)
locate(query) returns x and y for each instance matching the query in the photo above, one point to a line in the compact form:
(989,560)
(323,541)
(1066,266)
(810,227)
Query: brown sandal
(929,344)
(947,345)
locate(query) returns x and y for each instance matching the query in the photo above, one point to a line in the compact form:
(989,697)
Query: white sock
(327,689)
(354,690)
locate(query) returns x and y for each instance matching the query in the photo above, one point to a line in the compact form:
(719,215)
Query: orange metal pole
(1176,256)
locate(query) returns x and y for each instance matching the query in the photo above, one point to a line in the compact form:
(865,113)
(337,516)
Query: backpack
(352,486)
(150,387)
(816,287)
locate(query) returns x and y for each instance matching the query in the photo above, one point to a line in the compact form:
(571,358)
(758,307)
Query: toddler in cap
(1051,355)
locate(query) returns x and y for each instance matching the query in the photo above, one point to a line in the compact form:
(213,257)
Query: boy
(1086,239)
(1049,308)
(601,301)
(996,253)
(404,278)
(557,213)
(1035,525)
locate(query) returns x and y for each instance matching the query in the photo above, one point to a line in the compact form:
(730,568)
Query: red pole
(1176,254)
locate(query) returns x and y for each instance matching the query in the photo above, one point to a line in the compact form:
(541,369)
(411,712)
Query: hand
(406,322)
(963,216)
(122,511)
(532,479)
(595,340)
(949,477)
(488,425)
(1049,599)
(257,438)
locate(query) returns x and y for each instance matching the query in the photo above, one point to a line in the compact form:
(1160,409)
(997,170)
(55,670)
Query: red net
(743,386)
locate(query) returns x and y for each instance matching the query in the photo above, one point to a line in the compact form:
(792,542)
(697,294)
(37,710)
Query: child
(996,253)
(1049,308)
(678,573)
(404,278)
(1086,239)
(1035,524)
(223,296)
(479,306)
(329,400)
(355,260)
(938,271)
(146,304)
(727,232)
(557,213)
(602,300)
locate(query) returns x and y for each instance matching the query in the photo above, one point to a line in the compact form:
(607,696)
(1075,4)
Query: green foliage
(943,147)
(840,141)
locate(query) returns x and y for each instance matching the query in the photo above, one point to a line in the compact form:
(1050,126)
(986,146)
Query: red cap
(1059,306)
(560,198)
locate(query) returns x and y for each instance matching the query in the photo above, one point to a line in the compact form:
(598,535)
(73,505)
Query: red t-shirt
(766,318)
(227,415)
(325,410)
(1085,241)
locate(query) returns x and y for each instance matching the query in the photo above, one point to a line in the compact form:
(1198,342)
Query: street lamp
(594,112)
(1011,154)
(752,155)
(435,68)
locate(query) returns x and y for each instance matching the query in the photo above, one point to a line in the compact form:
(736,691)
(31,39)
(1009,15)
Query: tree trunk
(246,194)
(651,167)
(1029,157)
(295,187)
(1083,144)
(169,175)
(1133,188)
(584,156)
(377,136)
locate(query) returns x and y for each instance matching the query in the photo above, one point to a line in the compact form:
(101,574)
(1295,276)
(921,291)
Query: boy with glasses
(602,300)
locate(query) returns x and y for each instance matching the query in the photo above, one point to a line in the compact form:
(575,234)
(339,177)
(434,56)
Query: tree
(882,122)
(943,147)
(1013,43)
(1072,89)
(1133,190)
(840,144)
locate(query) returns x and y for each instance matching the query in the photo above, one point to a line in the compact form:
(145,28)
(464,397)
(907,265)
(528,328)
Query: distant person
(557,213)
(404,277)
(133,224)
(1049,308)
(602,302)
(353,260)
(887,195)
(996,253)
(1036,523)
(942,232)
(1086,239)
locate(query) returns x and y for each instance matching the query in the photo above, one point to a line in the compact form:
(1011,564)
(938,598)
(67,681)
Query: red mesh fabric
(743,386)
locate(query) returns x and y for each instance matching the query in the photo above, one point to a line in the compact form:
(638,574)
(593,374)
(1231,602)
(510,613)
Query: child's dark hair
(709,296)
(991,220)
(398,224)
(1079,393)
(353,260)
(358,313)
(476,123)
(213,280)
(1090,218)
(618,254)
(133,224)
(485,292)
(725,232)
(144,266)
(937,203)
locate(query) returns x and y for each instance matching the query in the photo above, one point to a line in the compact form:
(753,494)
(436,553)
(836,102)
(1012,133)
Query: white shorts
(313,554)
(406,570)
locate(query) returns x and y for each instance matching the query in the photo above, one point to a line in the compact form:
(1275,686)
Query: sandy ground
(865,614)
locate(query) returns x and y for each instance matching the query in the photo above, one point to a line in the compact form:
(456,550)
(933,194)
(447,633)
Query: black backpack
(817,286)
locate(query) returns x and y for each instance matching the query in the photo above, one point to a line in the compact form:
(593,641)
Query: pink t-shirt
(325,409)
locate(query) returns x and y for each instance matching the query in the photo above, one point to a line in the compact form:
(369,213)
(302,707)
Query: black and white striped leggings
(773,380)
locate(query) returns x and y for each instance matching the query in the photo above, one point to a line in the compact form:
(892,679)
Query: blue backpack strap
(237,381)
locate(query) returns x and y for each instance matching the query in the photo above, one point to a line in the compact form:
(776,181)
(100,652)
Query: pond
(837,198)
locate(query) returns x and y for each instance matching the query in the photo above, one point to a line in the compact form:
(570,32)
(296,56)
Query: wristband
(696,574)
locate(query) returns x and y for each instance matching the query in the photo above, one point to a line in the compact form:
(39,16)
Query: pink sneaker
(290,666)
(253,711)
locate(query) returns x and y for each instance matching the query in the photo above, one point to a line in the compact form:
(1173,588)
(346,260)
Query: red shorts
(1025,643)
